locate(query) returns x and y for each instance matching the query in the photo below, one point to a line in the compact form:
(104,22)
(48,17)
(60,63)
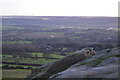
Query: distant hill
(53,21)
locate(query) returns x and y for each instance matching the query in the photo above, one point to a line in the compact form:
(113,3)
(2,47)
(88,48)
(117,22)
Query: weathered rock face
(81,64)
(52,68)
(99,72)
(102,65)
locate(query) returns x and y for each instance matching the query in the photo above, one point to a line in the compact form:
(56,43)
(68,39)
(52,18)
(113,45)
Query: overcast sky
(59,7)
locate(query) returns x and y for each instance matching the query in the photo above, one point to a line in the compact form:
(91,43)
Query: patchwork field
(29,41)
(13,70)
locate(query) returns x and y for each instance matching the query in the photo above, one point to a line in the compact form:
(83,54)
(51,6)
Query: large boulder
(102,65)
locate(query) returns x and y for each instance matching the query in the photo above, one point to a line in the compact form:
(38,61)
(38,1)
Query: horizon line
(59,15)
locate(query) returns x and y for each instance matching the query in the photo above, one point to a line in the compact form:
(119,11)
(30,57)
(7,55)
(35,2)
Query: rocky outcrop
(81,64)
(102,65)
(52,68)
(99,72)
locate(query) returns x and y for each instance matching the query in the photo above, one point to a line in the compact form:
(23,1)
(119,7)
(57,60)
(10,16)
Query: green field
(10,58)
(17,73)
(38,55)
(31,61)
(22,73)
(53,55)
(17,42)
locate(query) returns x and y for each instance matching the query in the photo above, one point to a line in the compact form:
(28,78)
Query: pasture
(15,74)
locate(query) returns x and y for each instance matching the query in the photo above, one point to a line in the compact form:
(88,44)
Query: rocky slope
(104,64)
